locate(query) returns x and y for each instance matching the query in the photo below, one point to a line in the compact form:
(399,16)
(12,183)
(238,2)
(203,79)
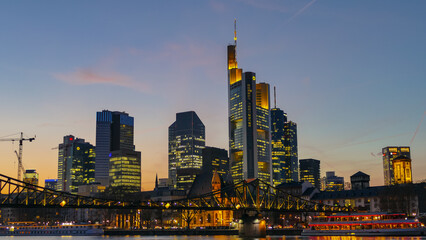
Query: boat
(365,224)
(28,229)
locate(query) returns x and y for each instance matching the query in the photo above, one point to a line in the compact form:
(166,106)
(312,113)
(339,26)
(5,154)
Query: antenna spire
(275,98)
(235,31)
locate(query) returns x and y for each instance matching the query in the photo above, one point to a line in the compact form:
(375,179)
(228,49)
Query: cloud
(87,76)
(267,5)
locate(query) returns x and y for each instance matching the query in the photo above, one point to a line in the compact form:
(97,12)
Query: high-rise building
(291,155)
(249,123)
(117,163)
(389,154)
(402,170)
(76,164)
(280,168)
(215,159)
(310,171)
(31,176)
(333,183)
(186,141)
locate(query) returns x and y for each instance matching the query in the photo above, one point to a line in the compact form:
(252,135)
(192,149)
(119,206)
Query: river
(205,238)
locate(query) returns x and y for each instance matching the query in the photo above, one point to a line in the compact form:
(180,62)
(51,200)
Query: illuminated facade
(76,164)
(51,183)
(31,176)
(186,141)
(125,170)
(402,170)
(333,183)
(280,168)
(249,123)
(291,153)
(389,154)
(216,159)
(310,171)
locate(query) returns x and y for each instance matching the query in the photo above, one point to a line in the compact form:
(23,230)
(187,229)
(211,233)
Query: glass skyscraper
(76,164)
(249,123)
(117,163)
(280,168)
(291,155)
(310,171)
(215,159)
(186,141)
(389,154)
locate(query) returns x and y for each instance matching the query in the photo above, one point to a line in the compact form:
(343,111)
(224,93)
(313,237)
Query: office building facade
(291,152)
(51,184)
(332,182)
(76,164)
(402,170)
(31,176)
(216,159)
(389,154)
(117,163)
(249,123)
(186,141)
(280,168)
(310,171)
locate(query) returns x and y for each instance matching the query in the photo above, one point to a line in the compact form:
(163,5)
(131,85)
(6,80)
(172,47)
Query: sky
(351,74)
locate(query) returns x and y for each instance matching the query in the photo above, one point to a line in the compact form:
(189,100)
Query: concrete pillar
(252,227)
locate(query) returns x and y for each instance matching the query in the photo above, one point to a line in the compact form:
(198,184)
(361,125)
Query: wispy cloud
(301,10)
(87,76)
(267,5)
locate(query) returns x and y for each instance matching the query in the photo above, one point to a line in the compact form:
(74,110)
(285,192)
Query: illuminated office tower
(291,156)
(310,171)
(263,132)
(389,154)
(51,184)
(31,176)
(114,141)
(280,168)
(186,141)
(76,164)
(402,170)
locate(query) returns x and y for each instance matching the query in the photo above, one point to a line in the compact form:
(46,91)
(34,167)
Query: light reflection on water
(205,238)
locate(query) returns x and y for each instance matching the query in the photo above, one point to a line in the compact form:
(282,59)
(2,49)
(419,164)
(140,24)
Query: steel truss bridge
(250,195)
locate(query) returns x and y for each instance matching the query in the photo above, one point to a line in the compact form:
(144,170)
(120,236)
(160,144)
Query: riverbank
(171,232)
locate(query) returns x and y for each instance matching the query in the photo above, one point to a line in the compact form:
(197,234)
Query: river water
(205,238)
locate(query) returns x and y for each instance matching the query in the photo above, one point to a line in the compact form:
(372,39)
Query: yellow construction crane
(19,155)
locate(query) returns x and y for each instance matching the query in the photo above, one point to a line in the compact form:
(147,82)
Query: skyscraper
(216,159)
(249,123)
(280,168)
(291,155)
(31,176)
(186,141)
(333,183)
(389,154)
(117,163)
(76,164)
(310,171)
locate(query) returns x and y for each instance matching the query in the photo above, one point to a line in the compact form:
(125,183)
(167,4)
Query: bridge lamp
(167,205)
(238,206)
(63,203)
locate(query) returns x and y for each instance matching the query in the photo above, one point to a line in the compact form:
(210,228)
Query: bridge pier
(252,226)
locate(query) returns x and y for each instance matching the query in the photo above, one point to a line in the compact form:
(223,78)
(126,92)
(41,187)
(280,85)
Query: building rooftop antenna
(235,32)
(275,98)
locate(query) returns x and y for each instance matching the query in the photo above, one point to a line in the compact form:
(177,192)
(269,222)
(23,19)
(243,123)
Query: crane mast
(20,151)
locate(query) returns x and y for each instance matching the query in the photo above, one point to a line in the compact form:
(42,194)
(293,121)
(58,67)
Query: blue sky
(351,74)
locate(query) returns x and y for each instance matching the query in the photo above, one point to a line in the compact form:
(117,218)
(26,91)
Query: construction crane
(19,155)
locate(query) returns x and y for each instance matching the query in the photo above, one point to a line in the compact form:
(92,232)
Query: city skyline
(351,75)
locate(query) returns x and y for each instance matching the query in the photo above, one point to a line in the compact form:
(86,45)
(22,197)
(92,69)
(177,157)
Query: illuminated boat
(365,224)
(20,229)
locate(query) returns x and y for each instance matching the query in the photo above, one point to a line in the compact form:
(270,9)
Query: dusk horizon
(350,74)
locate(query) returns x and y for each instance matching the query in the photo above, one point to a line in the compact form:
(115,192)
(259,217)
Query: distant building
(51,184)
(91,189)
(215,159)
(291,152)
(76,164)
(163,182)
(402,170)
(360,180)
(31,176)
(389,154)
(333,183)
(310,171)
(186,141)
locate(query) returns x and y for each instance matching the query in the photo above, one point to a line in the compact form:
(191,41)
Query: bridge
(249,195)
